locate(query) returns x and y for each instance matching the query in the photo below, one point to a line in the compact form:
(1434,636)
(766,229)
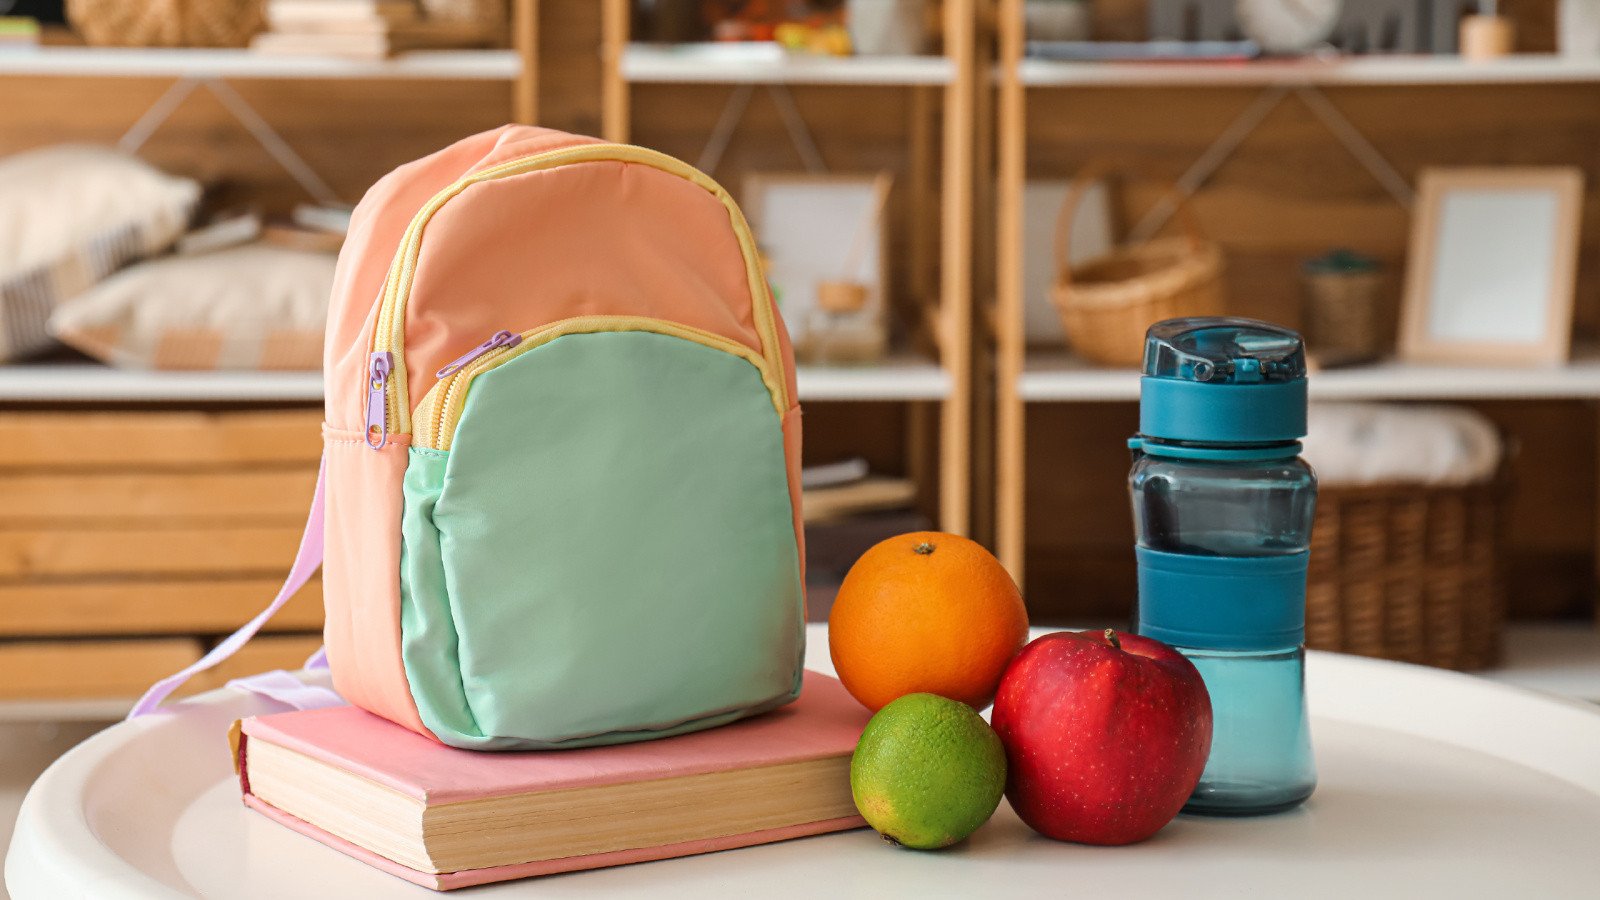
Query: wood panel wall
(1289,194)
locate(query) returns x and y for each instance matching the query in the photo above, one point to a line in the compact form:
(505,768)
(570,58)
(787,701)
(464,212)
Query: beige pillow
(70,216)
(254,306)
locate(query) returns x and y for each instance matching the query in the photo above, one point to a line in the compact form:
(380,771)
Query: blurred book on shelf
(868,495)
(339,16)
(18,32)
(331,219)
(1144,51)
(847,510)
(848,488)
(360,29)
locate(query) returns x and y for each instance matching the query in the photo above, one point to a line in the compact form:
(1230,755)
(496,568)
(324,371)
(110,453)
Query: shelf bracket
(1245,124)
(733,113)
(246,115)
(1358,146)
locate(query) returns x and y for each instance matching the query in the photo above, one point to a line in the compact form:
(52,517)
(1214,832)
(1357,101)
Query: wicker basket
(1107,304)
(165,23)
(1408,572)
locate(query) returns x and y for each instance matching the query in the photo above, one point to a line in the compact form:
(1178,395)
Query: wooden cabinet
(130,541)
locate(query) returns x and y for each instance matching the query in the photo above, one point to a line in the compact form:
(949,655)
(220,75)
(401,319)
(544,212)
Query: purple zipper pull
(500,339)
(379,365)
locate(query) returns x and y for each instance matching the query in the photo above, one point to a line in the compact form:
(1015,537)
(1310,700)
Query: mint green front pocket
(607,551)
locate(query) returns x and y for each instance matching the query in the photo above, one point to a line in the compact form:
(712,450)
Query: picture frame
(817,232)
(1492,266)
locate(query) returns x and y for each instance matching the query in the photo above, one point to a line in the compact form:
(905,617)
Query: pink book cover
(825,721)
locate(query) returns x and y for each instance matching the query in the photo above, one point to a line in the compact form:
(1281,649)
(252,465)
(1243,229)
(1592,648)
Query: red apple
(1106,735)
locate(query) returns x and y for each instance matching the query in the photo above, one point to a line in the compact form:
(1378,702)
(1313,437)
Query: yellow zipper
(388,342)
(439,411)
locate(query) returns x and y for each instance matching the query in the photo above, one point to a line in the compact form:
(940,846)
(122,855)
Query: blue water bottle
(1222,505)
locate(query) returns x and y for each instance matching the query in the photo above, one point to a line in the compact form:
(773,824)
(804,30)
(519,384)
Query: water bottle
(1222,507)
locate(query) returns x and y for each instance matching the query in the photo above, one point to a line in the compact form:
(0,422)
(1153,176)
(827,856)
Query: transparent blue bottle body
(1261,759)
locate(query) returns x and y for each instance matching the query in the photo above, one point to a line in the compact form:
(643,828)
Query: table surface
(1431,782)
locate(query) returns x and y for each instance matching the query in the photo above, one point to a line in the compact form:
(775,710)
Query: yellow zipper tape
(389,336)
(439,412)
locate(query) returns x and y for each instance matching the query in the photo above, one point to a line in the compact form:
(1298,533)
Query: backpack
(560,499)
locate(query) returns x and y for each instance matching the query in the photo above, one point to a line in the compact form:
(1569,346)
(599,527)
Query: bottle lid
(1222,381)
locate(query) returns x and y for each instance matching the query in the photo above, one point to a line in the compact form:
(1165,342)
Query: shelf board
(1062,378)
(711,64)
(899,378)
(91,383)
(1356,70)
(464,65)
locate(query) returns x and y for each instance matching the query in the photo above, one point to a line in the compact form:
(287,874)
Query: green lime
(927,772)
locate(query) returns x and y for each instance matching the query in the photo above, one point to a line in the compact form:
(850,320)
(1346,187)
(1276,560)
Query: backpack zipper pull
(379,365)
(500,339)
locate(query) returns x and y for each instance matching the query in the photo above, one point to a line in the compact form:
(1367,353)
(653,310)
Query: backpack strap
(306,562)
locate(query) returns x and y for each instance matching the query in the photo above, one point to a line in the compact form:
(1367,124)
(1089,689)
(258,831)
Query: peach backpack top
(560,494)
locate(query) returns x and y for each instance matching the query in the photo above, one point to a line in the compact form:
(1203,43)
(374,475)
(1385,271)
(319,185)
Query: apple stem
(1111,638)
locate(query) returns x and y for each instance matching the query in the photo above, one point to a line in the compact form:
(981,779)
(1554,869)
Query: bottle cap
(1222,381)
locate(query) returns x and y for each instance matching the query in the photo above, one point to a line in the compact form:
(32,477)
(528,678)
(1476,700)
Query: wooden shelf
(464,65)
(1062,378)
(710,64)
(899,378)
(1371,70)
(91,383)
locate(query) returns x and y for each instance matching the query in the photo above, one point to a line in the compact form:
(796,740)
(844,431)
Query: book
(446,818)
(298,12)
(19,31)
(377,44)
(869,495)
(1144,51)
(331,219)
(834,474)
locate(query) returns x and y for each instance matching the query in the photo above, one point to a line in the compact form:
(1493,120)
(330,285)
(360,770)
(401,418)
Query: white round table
(1432,784)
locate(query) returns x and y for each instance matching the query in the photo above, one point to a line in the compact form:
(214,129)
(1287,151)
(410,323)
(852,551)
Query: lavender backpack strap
(306,561)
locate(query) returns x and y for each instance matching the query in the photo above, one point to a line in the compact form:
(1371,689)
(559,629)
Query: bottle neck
(1214,452)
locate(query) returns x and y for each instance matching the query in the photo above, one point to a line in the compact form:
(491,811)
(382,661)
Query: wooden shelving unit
(1062,378)
(1025,378)
(105,539)
(90,62)
(897,378)
(947,381)
(1374,70)
(648,64)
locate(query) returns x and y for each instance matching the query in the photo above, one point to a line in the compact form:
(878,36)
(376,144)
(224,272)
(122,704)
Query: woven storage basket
(1408,572)
(1107,303)
(165,23)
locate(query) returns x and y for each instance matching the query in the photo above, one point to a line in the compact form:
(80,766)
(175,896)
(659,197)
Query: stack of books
(447,818)
(18,31)
(840,490)
(358,29)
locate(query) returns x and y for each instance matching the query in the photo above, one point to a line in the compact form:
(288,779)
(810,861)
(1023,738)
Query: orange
(926,612)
